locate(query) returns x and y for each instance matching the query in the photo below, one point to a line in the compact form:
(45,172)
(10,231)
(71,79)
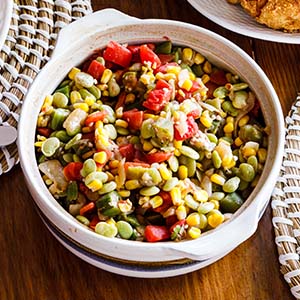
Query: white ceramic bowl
(75,43)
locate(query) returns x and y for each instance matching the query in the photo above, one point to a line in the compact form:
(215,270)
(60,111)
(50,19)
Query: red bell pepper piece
(155,233)
(117,54)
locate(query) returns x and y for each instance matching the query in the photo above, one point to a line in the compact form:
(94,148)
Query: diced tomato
(88,136)
(165,58)
(117,54)
(171,220)
(192,129)
(96,69)
(155,233)
(158,97)
(147,55)
(44,131)
(196,113)
(134,118)
(157,157)
(72,171)
(167,202)
(135,50)
(95,220)
(121,100)
(211,87)
(218,77)
(94,117)
(180,97)
(176,229)
(164,67)
(195,86)
(135,164)
(127,151)
(255,110)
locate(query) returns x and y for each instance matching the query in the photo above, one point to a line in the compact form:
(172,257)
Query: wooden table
(33,265)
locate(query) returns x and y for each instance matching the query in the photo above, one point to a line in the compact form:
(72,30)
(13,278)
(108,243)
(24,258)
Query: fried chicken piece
(276,14)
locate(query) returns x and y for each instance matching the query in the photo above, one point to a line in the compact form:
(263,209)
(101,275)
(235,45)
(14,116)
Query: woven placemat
(286,204)
(28,46)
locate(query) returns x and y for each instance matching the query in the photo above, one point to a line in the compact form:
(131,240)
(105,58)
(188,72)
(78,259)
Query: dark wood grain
(33,265)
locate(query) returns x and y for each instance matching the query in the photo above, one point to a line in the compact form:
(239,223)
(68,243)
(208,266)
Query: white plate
(233,17)
(5,16)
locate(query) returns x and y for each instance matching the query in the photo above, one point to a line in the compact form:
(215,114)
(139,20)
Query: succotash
(151,142)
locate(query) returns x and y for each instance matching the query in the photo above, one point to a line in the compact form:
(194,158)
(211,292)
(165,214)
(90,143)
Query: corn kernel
(173,69)
(147,146)
(217,179)
(156,201)
(125,205)
(87,129)
(124,193)
(111,221)
(229,119)
(194,232)
(73,72)
(238,142)
(205,78)
(181,212)
(89,101)
(132,184)
(214,219)
(193,219)
(164,172)
(106,76)
(95,185)
(205,119)
(110,177)
(199,59)
(229,163)
(187,54)
(102,87)
(201,196)
(247,152)
(38,144)
(130,98)
(100,157)
(105,93)
(177,152)
(114,164)
(216,203)
(244,120)
(87,154)
(228,128)
(187,84)
(169,76)
(175,194)
(82,106)
(48,101)
(262,155)
(121,123)
(177,144)
(207,68)
(182,172)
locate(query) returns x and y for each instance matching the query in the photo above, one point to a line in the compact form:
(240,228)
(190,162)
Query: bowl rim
(34,183)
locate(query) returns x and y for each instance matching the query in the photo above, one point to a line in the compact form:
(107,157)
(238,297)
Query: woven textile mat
(28,46)
(286,204)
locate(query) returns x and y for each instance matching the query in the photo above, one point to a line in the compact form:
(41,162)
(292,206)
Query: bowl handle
(237,231)
(87,25)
